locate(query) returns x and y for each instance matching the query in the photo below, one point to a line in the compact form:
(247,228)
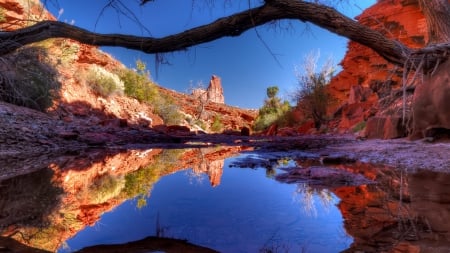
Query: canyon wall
(367,89)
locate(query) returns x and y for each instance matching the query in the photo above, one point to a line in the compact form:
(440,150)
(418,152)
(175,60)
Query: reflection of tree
(27,200)
(26,205)
(10,245)
(305,195)
(103,189)
(138,184)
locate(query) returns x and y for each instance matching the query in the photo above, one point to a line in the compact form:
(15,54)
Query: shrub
(360,126)
(312,95)
(27,79)
(65,51)
(104,83)
(2,15)
(165,107)
(105,188)
(69,52)
(200,123)
(138,184)
(273,111)
(217,124)
(137,84)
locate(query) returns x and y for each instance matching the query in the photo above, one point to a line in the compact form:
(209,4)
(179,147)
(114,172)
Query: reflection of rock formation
(27,199)
(88,184)
(213,169)
(401,213)
(430,202)
(45,208)
(210,161)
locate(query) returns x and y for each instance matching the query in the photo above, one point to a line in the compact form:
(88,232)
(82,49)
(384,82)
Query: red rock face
(19,14)
(232,118)
(366,77)
(215,90)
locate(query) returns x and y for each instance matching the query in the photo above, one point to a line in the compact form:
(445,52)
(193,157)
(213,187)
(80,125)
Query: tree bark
(437,15)
(234,25)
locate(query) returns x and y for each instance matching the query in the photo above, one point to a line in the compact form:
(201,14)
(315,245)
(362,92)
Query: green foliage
(138,184)
(27,79)
(138,85)
(69,52)
(166,108)
(217,125)
(105,188)
(65,52)
(103,82)
(360,126)
(200,123)
(273,111)
(272,91)
(2,15)
(312,95)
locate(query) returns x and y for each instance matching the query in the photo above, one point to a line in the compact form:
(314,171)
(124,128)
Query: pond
(247,212)
(219,199)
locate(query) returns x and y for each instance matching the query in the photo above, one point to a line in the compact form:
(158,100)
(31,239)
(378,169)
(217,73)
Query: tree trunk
(234,25)
(437,15)
(432,94)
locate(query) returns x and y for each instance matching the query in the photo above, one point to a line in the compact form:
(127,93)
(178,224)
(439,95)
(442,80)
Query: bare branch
(234,25)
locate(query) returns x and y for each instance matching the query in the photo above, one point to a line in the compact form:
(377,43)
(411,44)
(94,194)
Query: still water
(219,199)
(248,211)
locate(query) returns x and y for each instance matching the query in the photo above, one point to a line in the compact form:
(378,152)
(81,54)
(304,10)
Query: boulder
(431,102)
(385,128)
(306,127)
(245,131)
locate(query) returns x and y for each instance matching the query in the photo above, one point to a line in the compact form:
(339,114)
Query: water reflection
(248,212)
(269,202)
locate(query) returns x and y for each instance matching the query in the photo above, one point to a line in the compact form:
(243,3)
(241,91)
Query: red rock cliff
(365,87)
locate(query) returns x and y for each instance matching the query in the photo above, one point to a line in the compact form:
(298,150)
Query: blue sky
(244,63)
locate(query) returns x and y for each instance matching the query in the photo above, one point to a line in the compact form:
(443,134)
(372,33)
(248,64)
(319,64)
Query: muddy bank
(27,133)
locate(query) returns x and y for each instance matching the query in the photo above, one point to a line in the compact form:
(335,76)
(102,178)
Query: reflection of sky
(244,213)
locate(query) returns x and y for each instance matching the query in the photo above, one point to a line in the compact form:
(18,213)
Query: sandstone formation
(431,104)
(20,13)
(233,118)
(369,86)
(214,92)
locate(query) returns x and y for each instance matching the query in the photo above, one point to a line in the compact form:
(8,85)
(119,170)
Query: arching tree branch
(233,25)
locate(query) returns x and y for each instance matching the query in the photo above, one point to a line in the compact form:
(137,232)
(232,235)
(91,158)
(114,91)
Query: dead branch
(234,25)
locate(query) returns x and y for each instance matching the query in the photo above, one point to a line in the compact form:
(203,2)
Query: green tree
(273,110)
(272,91)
